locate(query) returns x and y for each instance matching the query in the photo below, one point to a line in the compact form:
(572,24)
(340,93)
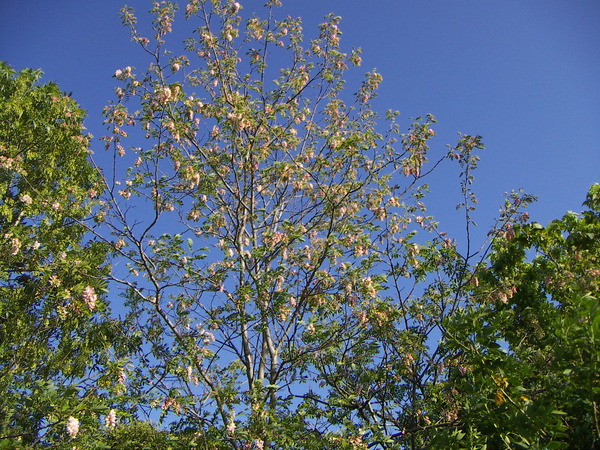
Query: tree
(284,284)
(526,349)
(256,212)
(389,380)
(54,335)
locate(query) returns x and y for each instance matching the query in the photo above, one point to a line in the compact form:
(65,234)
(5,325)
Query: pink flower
(15,246)
(231,423)
(90,297)
(125,193)
(72,427)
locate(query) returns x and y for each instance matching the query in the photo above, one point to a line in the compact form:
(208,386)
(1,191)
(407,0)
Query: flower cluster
(72,427)
(90,297)
(111,419)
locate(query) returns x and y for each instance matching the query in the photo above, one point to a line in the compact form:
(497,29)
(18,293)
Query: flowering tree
(54,337)
(257,213)
(388,379)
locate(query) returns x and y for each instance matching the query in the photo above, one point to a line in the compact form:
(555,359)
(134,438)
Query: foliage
(526,348)
(284,283)
(53,333)
(142,435)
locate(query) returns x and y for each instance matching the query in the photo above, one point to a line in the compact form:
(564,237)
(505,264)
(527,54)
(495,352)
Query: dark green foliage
(527,348)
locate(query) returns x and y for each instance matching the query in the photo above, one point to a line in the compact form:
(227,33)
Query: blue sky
(524,75)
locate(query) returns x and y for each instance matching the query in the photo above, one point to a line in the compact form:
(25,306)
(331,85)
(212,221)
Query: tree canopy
(526,344)
(54,331)
(280,281)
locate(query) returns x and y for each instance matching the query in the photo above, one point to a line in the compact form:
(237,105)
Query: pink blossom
(26,199)
(15,246)
(72,427)
(54,281)
(90,297)
(231,424)
(111,419)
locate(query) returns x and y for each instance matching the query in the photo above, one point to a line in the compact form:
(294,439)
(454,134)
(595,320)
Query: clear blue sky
(523,74)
